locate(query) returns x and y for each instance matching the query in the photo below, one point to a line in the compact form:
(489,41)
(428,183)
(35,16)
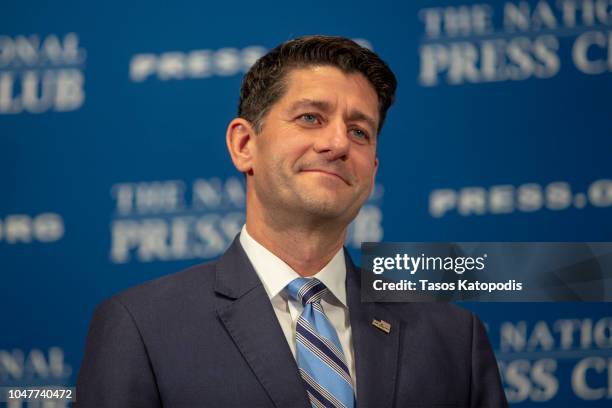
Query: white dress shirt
(275,275)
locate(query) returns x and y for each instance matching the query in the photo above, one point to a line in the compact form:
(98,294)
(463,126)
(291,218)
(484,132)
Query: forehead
(346,91)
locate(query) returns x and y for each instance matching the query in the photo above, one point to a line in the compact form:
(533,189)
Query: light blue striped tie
(319,353)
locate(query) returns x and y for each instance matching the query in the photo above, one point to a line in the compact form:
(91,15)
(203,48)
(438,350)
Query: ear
(239,139)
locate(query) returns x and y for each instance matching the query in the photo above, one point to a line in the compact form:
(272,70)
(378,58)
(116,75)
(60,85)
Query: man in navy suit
(223,334)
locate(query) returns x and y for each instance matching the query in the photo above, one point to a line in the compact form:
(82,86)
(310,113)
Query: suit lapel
(376,352)
(246,312)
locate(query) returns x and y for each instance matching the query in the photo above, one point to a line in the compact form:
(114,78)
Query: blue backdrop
(113,167)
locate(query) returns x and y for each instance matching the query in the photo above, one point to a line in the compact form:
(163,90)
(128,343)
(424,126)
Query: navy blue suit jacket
(208,337)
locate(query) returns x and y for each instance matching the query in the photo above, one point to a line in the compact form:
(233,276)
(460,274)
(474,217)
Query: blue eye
(310,118)
(360,133)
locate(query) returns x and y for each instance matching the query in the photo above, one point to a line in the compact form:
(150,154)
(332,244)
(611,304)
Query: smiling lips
(328,172)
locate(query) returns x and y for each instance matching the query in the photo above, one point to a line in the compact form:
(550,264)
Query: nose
(333,141)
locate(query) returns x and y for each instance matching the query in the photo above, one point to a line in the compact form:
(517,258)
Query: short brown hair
(264,84)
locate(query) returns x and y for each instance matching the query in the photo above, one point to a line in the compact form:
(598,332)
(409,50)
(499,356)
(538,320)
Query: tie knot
(306,290)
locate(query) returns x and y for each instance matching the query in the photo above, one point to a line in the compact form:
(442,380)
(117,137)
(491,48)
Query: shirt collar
(275,274)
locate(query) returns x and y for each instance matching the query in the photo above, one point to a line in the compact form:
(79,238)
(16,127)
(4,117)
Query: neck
(306,249)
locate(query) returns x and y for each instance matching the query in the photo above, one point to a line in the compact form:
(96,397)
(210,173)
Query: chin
(324,208)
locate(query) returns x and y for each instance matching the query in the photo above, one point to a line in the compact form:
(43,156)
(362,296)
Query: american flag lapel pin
(382,325)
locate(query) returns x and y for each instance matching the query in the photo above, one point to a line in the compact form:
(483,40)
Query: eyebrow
(354,115)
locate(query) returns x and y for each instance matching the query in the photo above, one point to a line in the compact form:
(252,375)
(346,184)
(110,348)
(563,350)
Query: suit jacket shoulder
(205,337)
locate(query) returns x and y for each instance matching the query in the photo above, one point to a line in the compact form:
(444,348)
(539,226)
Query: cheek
(293,155)
(366,166)
(286,146)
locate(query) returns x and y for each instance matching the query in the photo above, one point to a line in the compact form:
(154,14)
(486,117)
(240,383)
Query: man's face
(316,153)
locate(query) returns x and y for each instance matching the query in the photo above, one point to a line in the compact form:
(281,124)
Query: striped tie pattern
(320,358)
